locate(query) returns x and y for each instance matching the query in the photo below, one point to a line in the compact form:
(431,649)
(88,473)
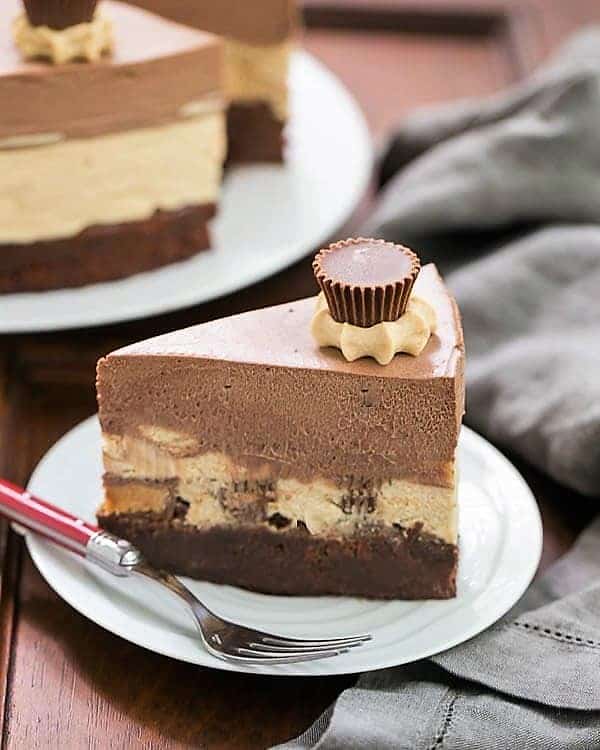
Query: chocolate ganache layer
(280,405)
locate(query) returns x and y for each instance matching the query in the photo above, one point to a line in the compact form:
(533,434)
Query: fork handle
(115,555)
(45,519)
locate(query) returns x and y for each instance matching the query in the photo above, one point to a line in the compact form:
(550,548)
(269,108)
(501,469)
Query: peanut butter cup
(366,281)
(59,14)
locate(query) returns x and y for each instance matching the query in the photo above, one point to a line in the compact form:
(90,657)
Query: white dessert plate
(270,217)
(500,547)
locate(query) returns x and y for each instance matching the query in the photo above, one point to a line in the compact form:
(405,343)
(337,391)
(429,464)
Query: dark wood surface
(66,683)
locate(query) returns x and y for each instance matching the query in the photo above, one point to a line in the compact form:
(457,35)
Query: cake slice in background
(252,451)
(258,43)
(111,149)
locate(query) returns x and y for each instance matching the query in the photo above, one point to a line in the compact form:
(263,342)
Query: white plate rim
(93,316)
(39,548)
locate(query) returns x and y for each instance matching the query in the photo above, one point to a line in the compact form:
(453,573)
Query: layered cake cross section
(241,451)
(110,162)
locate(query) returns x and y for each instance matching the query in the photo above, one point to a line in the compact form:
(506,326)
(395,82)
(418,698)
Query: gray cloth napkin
(531,154)
(531,315)
(531,681)
(509,190)
(531,306)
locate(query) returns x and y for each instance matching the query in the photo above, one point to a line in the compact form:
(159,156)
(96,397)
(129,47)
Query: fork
(224,639)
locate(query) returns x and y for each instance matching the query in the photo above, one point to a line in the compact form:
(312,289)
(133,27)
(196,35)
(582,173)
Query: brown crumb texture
(254,134)
(395,564)
(102,253)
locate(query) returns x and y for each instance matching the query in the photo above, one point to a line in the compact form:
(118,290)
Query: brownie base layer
(386,565)
(254,134)
(105,252)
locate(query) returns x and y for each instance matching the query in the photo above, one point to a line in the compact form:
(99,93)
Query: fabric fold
(501,689)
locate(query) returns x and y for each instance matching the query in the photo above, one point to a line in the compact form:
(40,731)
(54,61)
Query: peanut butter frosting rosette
(366,281)
(62,31)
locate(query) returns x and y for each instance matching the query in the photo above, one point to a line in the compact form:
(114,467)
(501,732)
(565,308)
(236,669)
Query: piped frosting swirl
(409,334)
(86,41)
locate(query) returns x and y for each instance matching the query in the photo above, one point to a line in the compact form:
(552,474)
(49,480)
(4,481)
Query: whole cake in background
(112,141)
(258,42)
(308,448)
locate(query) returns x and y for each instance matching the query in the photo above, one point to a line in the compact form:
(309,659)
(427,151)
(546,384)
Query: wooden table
(66,683)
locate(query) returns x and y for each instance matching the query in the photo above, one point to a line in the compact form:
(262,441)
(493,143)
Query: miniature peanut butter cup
(366,281)
(59,14)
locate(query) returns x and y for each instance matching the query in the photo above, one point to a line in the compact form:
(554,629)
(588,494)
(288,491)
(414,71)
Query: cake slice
(112,142)
(244,451)
(258,43)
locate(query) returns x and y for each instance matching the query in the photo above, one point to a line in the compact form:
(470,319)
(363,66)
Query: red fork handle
(45,519)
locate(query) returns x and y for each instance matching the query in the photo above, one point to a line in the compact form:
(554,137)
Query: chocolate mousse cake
(258,43)
(112,141)
(307,448)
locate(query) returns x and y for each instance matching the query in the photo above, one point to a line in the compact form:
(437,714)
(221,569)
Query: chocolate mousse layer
(395,564)
(105,252)
(130,89)
(260,22)
(273,398)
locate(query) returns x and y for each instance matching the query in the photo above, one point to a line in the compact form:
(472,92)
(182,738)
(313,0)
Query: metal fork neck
(117,556)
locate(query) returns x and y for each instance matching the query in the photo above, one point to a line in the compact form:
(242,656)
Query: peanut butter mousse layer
(124,176)
(243,452)
(258,44)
